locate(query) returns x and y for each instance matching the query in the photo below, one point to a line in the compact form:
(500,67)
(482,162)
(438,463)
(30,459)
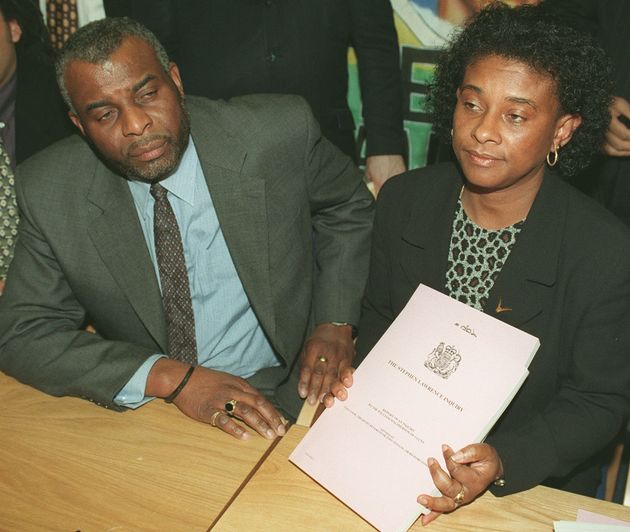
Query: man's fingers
(254,419)
(229,425)
(305,379)
(317,378)
(330,377)
(251,408)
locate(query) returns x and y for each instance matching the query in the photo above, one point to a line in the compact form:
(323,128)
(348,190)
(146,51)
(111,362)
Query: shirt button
(272,57)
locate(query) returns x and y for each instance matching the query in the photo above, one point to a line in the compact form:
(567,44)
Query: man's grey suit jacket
(294,211)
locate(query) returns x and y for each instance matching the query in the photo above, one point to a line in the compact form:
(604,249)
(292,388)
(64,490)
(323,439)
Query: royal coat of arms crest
(443,360)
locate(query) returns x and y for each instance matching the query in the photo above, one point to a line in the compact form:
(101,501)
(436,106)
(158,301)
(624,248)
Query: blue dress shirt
(229,337)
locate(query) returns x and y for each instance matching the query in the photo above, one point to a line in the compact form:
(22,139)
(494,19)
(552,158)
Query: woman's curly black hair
(528,34)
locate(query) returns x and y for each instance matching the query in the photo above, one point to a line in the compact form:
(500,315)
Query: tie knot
(158,191)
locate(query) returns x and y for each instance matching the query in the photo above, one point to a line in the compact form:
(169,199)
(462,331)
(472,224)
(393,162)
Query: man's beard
(164,166)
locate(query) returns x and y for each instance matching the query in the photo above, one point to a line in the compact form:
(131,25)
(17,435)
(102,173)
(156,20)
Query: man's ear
(15,30)
(77,122)
(173,71)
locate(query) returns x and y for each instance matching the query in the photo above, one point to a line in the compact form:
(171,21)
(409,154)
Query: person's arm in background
(375,42)
(617,143)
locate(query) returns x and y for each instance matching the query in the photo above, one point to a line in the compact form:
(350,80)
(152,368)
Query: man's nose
(135,120)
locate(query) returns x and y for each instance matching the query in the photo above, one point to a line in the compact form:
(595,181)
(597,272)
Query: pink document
(442,373)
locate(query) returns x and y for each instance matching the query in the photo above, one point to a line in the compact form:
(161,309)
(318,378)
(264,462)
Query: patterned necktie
(8,212)
(62,19)
(180,319)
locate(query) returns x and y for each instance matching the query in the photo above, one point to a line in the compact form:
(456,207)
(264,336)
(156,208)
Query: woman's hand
(470,471)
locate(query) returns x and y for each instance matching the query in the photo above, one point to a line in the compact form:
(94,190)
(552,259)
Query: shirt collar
(181,184)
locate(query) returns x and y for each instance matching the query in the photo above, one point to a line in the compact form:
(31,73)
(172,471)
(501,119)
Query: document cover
(442,373)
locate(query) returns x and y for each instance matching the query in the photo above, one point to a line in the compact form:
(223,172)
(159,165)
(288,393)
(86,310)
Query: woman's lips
(481,159)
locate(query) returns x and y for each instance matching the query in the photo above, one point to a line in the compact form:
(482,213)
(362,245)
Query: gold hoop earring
(553,162)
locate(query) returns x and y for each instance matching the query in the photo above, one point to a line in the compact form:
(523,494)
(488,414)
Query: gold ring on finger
(213,419)
(459,498)
(323,359)
(230,407)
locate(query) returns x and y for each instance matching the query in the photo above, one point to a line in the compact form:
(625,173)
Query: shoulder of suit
(259,122)
(252,107)
(591,231)
(67,159)
(422,181)
(404,195)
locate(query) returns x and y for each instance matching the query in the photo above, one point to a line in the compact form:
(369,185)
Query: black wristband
(181,385)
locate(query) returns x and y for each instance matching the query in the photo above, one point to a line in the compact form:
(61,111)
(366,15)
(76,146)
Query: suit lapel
(239,198)
(424,252)
(116,233)
(521,291)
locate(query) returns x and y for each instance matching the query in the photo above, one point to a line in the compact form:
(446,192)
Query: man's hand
(617,142)
(470,471)
(327,352)
(339,387)
(379,168)
(206,393)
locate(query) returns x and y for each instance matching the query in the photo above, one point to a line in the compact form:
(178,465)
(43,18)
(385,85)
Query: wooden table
(280,497)
(66,464)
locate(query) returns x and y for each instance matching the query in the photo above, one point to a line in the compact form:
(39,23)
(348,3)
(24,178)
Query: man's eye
(516,119)
(148,95)
(105,116)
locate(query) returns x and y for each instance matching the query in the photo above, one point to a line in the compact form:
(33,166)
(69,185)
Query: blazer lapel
(116,233)
(522,289)
(239,199)
(424,255)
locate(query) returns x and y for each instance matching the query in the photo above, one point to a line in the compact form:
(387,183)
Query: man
(32,114)
(255,191)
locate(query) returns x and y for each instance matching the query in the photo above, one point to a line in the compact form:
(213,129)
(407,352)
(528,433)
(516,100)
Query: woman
(523,101)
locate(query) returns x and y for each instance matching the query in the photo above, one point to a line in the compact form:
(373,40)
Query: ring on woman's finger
(230,407)
(459,498)
(323,359)
(213,419)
